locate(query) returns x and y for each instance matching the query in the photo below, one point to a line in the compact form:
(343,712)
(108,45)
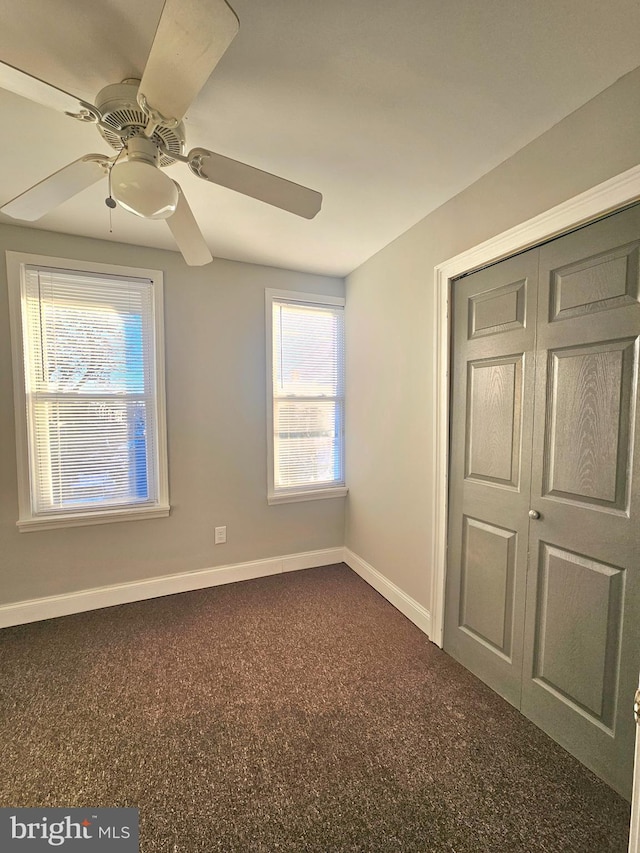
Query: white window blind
(307,395)
(90,391)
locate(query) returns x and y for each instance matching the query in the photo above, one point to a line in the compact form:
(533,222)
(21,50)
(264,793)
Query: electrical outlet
(220,535)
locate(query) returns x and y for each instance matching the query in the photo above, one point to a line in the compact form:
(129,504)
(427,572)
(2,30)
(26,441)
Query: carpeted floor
(294,713)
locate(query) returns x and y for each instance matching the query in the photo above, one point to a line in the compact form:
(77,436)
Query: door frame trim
(604,198)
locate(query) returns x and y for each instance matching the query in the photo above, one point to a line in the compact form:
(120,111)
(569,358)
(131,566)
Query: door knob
(533,513)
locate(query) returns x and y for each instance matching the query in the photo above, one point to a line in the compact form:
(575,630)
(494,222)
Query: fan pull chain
(110,201)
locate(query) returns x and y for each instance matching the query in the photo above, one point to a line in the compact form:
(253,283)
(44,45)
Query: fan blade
(21,83)
(254,182)
(59,187)
(187,234)
(191,37)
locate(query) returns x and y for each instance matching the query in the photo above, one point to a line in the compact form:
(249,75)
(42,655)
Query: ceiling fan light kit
(138,185)
(144,120)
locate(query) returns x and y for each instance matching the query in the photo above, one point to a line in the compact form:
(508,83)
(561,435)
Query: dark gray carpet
(294,713)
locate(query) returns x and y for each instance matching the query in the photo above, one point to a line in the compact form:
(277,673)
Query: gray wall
(216,394)
(215,360)
(389,316)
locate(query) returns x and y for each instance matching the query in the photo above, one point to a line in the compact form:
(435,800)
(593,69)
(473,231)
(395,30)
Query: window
(305,358)
(89,390)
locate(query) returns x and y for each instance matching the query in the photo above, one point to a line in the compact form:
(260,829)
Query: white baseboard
(312,559)
(394,595)
(52,606)
(49,607)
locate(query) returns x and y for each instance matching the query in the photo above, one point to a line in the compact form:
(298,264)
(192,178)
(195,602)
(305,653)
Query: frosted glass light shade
(141,188)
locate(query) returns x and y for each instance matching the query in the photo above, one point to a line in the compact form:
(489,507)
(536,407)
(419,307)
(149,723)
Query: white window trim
(16,263)
(294,494)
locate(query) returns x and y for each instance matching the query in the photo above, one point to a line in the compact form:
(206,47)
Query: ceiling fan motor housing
(120,109)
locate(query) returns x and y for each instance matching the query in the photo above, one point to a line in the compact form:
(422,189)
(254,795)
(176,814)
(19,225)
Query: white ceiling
(387,108)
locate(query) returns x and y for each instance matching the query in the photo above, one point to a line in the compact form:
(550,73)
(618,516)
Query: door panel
(577,659)
(487,583)
(498,310)
(587,441)
(492,400)
(597,283)
(546,610)
(494,420)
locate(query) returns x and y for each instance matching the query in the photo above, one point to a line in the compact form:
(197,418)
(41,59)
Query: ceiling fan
(142,121)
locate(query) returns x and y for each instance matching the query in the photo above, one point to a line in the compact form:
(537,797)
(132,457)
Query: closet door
(582,643)
(491,422)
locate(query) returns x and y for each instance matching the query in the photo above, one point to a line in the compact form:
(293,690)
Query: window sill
(50,522)
(310,495)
